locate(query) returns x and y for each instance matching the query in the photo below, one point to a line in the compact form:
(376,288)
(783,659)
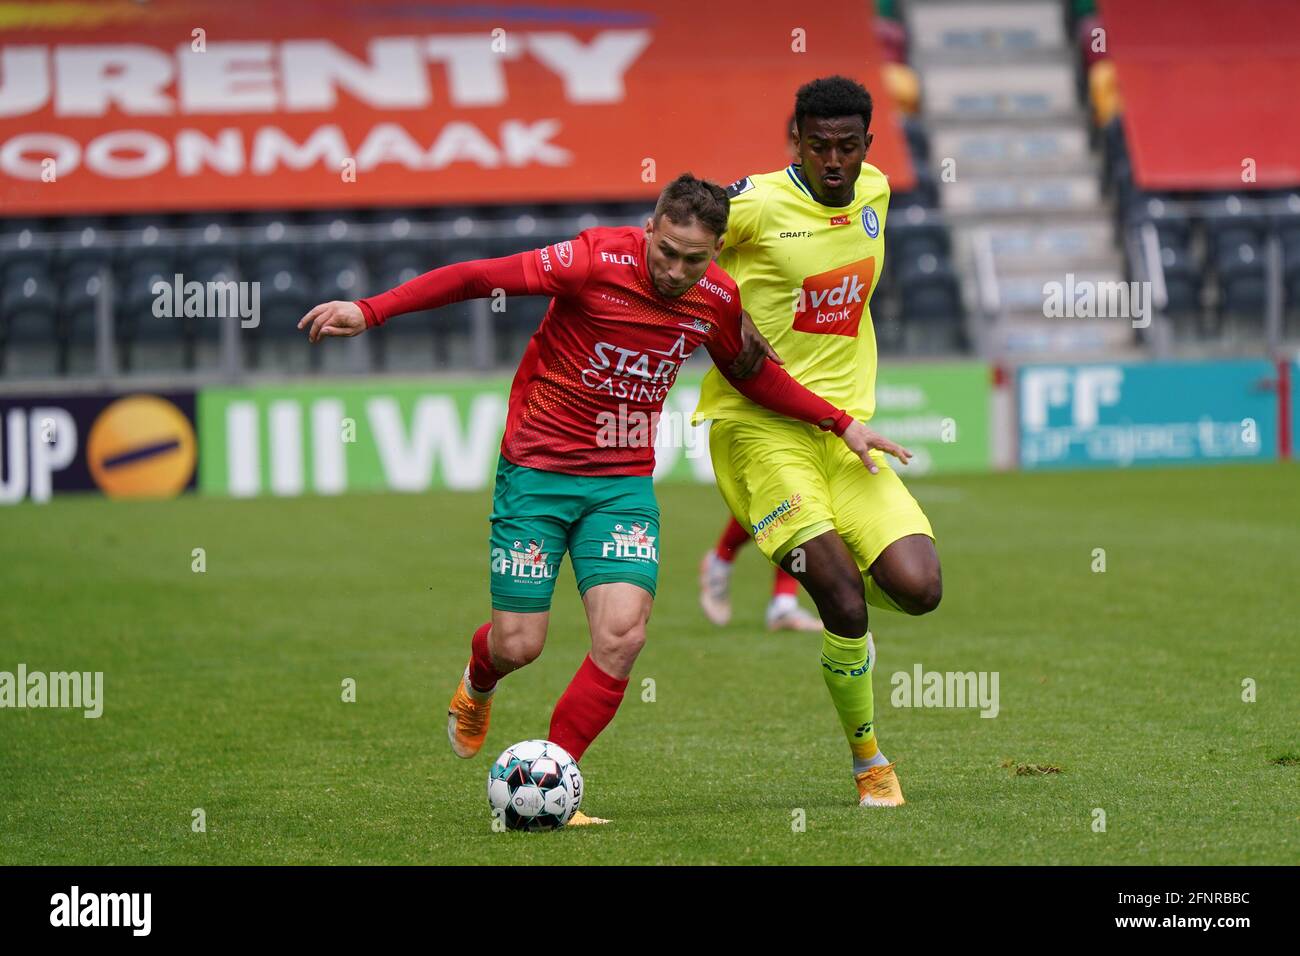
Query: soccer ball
(534,785)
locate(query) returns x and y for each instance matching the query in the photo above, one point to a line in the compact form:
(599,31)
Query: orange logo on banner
(831,303)
(141,446)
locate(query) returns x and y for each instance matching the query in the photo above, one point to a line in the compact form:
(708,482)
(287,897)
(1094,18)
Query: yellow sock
(876,596)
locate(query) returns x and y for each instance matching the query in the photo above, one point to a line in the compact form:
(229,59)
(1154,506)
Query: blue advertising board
(1124,414)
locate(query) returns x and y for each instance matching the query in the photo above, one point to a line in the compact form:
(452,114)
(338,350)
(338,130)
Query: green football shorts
(608,525)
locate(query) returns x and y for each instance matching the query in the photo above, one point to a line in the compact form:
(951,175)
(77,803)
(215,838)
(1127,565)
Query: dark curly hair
(831,96)
(687,198)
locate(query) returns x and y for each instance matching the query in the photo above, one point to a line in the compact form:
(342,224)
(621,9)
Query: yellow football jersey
(806,273)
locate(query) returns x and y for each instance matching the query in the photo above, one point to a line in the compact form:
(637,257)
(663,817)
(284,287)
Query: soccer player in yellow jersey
(806,245)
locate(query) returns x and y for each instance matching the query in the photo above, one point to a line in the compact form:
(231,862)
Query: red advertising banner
(123,106)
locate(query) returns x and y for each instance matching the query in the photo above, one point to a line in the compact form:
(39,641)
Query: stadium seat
(138,236)
(1233,220)
(205,330)
(82,240)
(932,313)
(918,140)
(80,291)
(25,240)
(338,275)
(1182,281)
(28,330)
(1231,246)
(1165,212)
(286,293)
(1291,328)
(1242,284)
(910,239)
(209,236)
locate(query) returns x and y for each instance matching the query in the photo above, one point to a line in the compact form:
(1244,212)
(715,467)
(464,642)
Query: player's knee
(843,607)
(619,643)
(923,593)
(514,647)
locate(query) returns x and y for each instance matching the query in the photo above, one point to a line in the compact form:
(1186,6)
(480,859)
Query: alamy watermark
(632,428)
(130,910)
(208,300)
(79,690)
(959,689)
(1085,299)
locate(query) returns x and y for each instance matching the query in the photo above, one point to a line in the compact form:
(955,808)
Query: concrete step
(1010,26)
(1027,292)
(1016,246)
(995,91)
(1008,149)
(1002,196)
(1028,338)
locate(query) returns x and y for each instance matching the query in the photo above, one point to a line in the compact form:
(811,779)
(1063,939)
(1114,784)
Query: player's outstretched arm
(557,270)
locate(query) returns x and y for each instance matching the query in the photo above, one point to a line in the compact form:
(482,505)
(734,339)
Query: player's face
(678,255)
(831,151)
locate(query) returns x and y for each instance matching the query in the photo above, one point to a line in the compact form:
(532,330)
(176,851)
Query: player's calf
(508,642)
(830,575)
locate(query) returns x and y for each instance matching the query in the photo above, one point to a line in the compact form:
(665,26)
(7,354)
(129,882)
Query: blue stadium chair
(79,294)
(911,240)
(28,326)
(918,140)
(1226,245)
(926,190)
(932,311)
(23,242)
(1182,281)
(286,292)
(209,235)
(138,236)
(150,343)
(1184,297)
(1114,151)
(1291,329)
(906,200)
(85,239)
(1242,283)
(12,272)
(205,331)
(1165,212)
(1233,225)
(336,232)
(267,235)
(386,258)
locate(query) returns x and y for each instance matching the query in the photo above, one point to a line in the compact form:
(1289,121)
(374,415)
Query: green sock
(876,596)
(847,670)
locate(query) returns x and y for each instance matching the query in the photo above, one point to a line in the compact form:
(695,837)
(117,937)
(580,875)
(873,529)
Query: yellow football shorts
(788,482)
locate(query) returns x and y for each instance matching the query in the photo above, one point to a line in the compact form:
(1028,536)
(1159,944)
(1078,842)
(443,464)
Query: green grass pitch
(223,689)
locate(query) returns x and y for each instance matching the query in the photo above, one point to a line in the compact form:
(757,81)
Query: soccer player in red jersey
(629,305)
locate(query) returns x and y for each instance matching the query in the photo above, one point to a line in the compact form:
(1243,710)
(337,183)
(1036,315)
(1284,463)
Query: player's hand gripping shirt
(806,273)
(593,379)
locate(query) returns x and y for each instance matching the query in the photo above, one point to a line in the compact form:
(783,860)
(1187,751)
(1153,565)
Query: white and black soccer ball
(535,785)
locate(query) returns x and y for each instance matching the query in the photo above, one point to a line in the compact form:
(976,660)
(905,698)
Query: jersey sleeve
(474,279)
(561,269)
(772,387)
(742,217)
